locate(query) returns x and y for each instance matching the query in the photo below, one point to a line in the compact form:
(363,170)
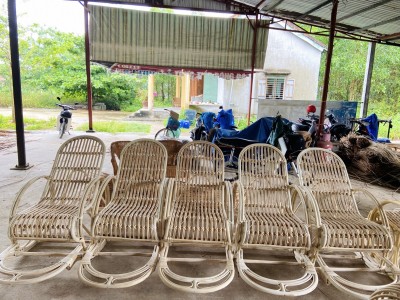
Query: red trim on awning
(193,72)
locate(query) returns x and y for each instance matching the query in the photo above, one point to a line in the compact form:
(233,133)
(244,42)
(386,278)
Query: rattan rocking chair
(393,217)
(70,191)
(267,222)
(132,215)
(198,214)
(346,236)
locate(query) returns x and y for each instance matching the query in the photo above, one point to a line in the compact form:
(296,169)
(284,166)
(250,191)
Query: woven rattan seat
(70,191)
(194,220)
(345,234)
(132,215)
(268,223)
(199,213)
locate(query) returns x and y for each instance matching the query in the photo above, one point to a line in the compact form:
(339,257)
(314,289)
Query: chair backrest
(78,161)
(200,162)
(264,177)
(325,173)
(141,171)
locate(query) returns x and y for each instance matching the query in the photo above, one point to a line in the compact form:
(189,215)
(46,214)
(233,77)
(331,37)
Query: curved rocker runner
(267,222)
(345,234)
(199,213)
(132,215)
(58,215)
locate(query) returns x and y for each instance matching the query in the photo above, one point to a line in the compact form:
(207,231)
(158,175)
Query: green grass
(115,127)
(6,123)
(36,99)
(241,122)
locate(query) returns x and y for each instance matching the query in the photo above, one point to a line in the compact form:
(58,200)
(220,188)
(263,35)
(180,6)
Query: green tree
(53,62)
(164,85)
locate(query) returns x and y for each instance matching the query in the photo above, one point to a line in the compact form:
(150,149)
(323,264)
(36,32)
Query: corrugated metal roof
(377,20)
(374,20)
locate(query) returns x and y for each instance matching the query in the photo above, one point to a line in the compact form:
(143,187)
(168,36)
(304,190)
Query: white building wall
(237,94)
(292,53)
(288,54)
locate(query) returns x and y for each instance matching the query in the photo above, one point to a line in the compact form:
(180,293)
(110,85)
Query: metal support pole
(16,80)
(328,67)
(87,58)
(253,62)
(367,79)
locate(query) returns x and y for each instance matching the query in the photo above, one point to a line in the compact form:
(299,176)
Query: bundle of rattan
(370,162)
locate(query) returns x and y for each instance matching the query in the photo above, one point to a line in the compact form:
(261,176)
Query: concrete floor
(41,148)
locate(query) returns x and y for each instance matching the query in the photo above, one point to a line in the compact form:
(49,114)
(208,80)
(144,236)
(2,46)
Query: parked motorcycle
(336,129)
(64,118)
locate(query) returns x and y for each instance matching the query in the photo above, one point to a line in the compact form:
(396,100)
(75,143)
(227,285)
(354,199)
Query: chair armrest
(228,205)
(378,206)
(86,203)
(313,217)
(310,204)
(241,214)
(229,209)
(97,200)
(169,195)
(21,192)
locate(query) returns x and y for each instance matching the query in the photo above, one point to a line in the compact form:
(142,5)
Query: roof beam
(378,24)
(364,10)
(313,9)
(390,37)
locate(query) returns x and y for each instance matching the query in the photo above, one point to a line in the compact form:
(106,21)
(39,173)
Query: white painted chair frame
(267,222)
(133,214)
(70,191)
(199,193)
(344,230)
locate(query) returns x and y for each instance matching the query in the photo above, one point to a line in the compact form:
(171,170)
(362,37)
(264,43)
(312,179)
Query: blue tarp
(373,126)
(208,120)
(225,119)
(258,131)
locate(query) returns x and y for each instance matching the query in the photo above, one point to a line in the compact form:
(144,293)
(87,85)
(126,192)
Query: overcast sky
(66,16)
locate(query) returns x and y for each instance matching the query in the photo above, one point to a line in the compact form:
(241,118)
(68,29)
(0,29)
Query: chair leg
(294,287)
(359,290)
(195,284)
(37,275)
(91,276)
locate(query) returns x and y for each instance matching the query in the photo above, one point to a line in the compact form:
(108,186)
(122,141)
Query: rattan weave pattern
(393,216)
(266,200)
(267,222)
(325,174)
(135,202)
(78,161)
(345,235)
(132,215)
(199,212)
(69,192)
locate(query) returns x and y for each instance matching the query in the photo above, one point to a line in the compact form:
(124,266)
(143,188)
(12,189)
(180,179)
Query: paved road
(81,116)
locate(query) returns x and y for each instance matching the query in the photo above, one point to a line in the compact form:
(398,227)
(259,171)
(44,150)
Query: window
(289,89)
(275,87)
